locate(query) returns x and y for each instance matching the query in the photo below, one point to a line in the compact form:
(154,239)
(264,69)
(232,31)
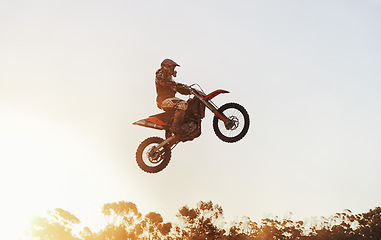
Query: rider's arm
(182,89)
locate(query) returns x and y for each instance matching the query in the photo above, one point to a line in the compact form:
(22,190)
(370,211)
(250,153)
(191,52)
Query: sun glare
(40,161)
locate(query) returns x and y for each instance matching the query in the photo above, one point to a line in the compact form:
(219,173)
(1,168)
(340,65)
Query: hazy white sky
(74,75)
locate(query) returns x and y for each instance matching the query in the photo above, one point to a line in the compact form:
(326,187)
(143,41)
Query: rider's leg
(177,119)
(180,106)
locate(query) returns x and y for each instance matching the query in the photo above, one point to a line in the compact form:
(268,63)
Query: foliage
(126,222)
(57,225)
(205,221)
(201,222)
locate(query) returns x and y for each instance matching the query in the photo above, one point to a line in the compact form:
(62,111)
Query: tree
(153,226)
(87,234)
(369,224)
(201,222)
(123,217)
(205,221)
(121,213)
(244,230)
(57,225)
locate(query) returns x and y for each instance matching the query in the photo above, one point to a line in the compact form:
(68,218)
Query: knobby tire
(246,119)
(162,164)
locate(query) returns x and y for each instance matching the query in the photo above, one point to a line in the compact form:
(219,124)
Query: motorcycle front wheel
(237,125)
(152,161)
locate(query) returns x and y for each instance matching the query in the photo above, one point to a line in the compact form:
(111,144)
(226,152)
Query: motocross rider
(166,89)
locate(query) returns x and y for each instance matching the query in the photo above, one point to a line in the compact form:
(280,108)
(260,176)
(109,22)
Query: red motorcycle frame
(230,123)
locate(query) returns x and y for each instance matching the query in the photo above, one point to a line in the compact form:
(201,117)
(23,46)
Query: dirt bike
(230,124)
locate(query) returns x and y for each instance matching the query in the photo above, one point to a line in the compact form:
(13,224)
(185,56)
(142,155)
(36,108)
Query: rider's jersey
(165,86)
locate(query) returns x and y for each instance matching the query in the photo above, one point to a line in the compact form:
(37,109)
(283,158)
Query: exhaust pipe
(145,123)
(166,141)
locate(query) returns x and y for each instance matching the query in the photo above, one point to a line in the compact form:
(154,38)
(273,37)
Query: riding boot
(177,119)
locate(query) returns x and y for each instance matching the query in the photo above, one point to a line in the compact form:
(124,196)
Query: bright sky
(74,75)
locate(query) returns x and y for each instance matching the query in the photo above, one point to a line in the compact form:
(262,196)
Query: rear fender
(214,93)
(151,122)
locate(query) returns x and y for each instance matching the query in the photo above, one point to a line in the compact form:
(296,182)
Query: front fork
(229,123)
(212,107)
(221,116)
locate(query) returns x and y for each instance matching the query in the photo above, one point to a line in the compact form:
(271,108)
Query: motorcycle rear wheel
(149,161)
(238,126)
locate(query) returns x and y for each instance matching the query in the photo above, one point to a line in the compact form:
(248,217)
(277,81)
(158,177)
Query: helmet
(169,66)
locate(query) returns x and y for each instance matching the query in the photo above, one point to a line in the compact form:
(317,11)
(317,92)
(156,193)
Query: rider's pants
(174,104)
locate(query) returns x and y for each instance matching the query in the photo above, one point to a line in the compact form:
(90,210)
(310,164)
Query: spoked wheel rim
(234,126)
(148,159)
(237,125)
(151,158)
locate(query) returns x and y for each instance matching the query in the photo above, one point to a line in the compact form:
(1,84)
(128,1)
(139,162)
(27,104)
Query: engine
(192,128)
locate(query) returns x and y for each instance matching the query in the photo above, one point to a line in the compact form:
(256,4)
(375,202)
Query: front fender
(214,93)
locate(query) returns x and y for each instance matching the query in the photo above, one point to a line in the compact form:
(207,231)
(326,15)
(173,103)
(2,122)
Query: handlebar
(194,90)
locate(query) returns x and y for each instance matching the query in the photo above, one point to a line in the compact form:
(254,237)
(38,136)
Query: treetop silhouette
(205,221)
